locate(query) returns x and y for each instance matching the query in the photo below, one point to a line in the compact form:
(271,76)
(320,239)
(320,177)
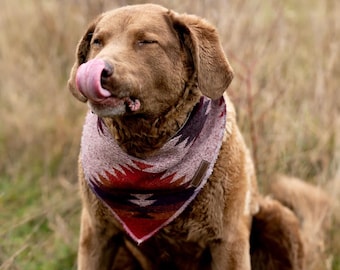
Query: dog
(312,207)
(166,179)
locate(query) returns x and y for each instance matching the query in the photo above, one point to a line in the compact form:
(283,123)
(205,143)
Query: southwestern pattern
(166,179)
(147,194)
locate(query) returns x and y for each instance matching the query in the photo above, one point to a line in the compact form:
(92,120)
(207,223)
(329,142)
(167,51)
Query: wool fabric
(145,195)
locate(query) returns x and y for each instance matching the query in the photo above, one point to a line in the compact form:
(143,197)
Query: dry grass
(286,58)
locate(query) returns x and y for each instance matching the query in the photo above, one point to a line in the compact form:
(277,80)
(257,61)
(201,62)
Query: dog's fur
(168,61)
(313,208)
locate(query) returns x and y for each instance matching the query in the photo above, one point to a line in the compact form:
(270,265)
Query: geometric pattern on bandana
(145,195)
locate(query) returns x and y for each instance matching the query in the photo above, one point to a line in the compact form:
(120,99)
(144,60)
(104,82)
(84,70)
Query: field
(285,55)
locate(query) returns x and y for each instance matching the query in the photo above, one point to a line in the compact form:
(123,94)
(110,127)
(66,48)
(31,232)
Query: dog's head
(139,59)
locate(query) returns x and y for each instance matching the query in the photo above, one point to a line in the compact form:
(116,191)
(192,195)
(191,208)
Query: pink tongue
(88,80)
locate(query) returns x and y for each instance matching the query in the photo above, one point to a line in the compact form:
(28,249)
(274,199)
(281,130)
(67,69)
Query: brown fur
(275,238)
(312,207)
(168,77)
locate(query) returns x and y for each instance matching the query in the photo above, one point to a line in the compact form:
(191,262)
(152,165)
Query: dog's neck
(141,136)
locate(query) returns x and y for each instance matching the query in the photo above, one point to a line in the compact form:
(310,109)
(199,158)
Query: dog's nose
(89,79)
(107,71)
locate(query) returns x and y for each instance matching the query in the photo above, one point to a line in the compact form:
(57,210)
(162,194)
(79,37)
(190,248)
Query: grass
(286,91)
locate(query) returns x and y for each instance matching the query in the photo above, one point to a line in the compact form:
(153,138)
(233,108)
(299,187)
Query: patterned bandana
(147,194)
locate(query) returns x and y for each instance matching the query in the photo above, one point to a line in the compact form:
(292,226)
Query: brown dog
(166,179)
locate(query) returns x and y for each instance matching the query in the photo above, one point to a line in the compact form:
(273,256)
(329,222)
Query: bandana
(147,194)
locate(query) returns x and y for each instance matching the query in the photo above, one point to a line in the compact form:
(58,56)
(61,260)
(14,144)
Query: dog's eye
(97,42)
(146,42)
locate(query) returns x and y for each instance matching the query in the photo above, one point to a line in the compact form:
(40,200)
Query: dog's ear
(201,39)
(82,51)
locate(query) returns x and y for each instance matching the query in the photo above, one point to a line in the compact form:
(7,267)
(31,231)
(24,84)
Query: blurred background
(285,55)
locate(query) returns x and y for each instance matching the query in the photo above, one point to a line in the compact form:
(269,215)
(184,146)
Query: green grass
(286,92)
(38,223)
